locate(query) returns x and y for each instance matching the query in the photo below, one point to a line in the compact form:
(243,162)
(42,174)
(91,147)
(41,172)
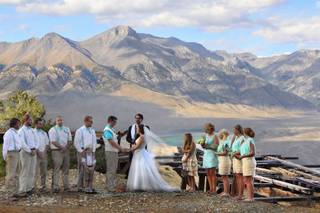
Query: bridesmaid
(189,161)
(224,160)
(236,162)
(210,160)
(247,152)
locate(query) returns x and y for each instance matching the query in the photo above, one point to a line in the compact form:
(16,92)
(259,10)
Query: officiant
(132,135)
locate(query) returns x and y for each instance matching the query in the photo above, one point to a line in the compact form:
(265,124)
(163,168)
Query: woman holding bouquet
(224,160)
(210,160)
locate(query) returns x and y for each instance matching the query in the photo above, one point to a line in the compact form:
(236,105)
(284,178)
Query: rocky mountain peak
(122,31)
(117,33)
(52,35)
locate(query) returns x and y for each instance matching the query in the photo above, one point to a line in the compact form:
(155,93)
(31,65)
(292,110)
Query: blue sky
(263,27)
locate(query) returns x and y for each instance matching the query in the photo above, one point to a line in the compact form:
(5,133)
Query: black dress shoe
(20,195)
(55,190)
(67,190)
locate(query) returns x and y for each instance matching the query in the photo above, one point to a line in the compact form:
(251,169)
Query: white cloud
(211,15)
(293,30)
(14,2)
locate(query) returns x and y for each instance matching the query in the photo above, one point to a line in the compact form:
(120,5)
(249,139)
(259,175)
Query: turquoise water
(177,140)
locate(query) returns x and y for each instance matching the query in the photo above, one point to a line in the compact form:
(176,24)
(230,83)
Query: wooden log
(263,185)
(278,199)
(283,184)
(202,182)
(261,157)
(268,163)
(274,192)
(312,166)
(267,171)
(309,183)
(284,172)
(296,166)
(306,175)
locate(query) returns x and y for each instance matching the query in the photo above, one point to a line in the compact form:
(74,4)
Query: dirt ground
(136,202)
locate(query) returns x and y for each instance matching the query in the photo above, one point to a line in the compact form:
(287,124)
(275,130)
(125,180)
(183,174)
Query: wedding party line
(26,147)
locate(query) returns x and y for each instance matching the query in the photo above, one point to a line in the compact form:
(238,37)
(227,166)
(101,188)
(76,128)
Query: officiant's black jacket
(129,139)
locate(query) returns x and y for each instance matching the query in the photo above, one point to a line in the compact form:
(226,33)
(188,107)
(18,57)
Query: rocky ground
(135,202)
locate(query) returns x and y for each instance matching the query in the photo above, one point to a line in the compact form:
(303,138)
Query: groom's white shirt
(133,131)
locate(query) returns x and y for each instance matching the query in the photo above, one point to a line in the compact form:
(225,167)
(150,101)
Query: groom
(132,135)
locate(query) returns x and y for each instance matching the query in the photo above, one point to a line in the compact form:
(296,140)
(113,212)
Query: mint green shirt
(245,146)
(224,144)
(237,143)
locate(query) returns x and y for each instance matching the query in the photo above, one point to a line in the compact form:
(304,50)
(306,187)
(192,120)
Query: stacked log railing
(287,180)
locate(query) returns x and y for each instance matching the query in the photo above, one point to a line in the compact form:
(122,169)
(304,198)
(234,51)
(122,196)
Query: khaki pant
(61,161)
(42,166)
(12,170)
(82,173)
(111,170)
(28,171)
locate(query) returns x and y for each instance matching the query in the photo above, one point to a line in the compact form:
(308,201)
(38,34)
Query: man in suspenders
(85,140)
(60,143)
(43,146)
(111,152)
(10,152)
(28,158)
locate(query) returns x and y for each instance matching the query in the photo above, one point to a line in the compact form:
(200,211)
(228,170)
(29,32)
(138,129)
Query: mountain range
(101,65)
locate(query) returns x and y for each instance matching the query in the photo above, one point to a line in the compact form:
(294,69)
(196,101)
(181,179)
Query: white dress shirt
(42,139)
(28,138)
(11,142)
(85,138)
(60,135)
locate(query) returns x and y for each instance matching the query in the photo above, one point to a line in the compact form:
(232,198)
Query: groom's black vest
(131,140)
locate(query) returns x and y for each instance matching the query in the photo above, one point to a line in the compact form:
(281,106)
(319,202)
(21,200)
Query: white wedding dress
(144,174)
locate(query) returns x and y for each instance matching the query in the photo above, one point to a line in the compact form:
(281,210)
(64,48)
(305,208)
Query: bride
(144,174)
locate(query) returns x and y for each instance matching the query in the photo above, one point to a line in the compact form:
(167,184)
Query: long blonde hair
(188,140)
(223,134)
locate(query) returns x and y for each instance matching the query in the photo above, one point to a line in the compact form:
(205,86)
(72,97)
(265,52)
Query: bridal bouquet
(202,141)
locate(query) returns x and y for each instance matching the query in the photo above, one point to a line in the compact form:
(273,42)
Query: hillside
(100,65)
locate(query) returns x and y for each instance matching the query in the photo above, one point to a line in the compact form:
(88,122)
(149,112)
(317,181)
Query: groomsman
(111,153)
(43,146)
(60,142)
(28,157)
(85,140)
(10,153)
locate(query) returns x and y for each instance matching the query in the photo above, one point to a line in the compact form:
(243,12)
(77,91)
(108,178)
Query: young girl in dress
(247,156)
(236,161)
(210,160)
(189,161)
(89,162)
(224,160)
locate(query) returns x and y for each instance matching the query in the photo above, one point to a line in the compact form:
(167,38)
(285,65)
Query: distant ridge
(54,64)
